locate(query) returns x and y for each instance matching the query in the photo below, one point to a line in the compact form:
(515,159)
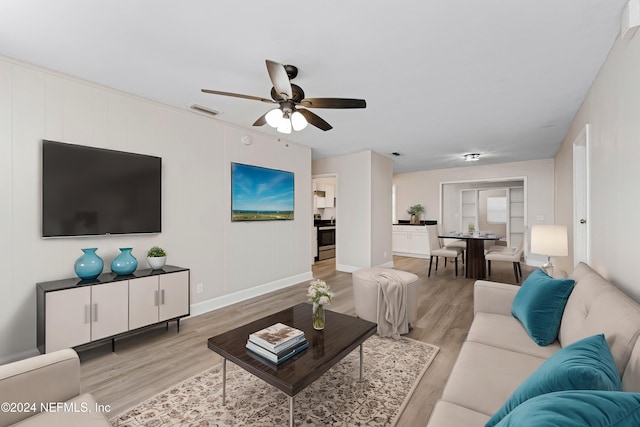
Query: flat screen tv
(261,194)
(94,191)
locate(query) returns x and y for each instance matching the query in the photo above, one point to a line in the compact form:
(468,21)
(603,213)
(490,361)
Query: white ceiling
(441,78)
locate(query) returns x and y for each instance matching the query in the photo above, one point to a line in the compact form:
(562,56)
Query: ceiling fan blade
(238,95)
(314,119)
(261,120)
(280,79)
(334,103)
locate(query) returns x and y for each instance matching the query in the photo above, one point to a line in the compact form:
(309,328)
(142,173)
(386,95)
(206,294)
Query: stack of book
(277,343)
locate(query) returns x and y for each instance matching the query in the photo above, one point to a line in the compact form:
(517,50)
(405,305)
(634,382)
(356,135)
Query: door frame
(489,180)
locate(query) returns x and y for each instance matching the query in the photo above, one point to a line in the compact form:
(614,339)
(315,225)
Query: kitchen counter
(422,223)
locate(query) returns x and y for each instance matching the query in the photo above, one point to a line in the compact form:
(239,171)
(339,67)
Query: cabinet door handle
(87,313)
(95,312)
(162,297)
(156,299)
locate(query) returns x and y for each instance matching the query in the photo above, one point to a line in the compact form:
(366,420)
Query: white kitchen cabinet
(319,202)
(329,195)
(324,196)
(410,240)
(72,312)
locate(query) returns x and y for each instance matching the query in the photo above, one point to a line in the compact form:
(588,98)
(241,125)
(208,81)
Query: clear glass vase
(318,316)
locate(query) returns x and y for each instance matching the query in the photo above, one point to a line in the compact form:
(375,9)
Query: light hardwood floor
(155,359)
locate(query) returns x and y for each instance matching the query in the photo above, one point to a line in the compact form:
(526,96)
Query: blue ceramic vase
(125,263)
(89,265)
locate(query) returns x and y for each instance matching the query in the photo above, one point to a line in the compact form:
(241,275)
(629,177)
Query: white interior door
(581,197)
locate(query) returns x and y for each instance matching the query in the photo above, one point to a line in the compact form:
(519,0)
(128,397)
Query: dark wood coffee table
(341,335)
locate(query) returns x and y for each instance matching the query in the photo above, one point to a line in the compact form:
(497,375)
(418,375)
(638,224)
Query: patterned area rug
(392,370)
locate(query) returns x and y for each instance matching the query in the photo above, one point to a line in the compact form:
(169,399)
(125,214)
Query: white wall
(424,187)
(381,218)
(232,260)
(612,108)
(364,181)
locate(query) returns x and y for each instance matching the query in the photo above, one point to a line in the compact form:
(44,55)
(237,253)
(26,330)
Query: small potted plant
(415,212)
(156,257)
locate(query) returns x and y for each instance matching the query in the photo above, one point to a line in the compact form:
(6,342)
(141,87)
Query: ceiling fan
(290,98)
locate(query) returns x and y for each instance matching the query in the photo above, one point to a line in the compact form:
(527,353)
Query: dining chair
(510,255)
(507,249)
(459,243)
(437,250)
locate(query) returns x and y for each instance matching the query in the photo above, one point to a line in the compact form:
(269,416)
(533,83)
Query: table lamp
(549,240)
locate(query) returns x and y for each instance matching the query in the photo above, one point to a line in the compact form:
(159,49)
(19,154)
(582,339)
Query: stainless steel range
(326,241)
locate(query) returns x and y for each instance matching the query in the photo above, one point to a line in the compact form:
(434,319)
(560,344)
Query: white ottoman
(365,293)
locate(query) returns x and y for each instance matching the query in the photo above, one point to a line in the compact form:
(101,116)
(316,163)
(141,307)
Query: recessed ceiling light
(395,153)
(472,157)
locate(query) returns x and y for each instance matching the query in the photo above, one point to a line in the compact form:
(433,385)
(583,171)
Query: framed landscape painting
(261,194)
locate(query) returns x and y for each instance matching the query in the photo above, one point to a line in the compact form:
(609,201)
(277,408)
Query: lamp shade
(298,121)
(285,125)
(274,117)
(550,240)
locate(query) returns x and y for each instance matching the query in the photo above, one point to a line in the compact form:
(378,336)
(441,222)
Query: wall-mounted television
(94,191)
(261,194)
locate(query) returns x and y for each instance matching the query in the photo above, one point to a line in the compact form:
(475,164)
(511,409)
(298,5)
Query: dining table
(475,264)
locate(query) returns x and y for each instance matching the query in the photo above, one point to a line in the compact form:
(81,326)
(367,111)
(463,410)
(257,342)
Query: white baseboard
(388,264)
(225,300)
(411,255)
(347,268)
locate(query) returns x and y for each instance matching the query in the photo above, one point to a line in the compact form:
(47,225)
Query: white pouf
(365,293)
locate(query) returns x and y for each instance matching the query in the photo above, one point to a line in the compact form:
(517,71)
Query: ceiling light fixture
(298,121)
(285,124)
(472,157)
(285,119)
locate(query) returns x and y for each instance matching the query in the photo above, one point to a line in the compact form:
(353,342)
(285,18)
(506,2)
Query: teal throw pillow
(577,409)
(539,305)
(586,364)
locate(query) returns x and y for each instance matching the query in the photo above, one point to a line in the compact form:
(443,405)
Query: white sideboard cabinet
(73,312)
(156,299)
(410,240)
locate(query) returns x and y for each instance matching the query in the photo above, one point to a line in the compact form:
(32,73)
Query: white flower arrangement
(319,292)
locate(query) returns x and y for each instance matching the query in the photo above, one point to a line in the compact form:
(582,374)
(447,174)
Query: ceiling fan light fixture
(274,117)
(472,157)
(285,125)
(298,122)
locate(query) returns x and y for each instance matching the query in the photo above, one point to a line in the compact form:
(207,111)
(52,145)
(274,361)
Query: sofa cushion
(539,305)
(631,376)
(484,377)
(584,365)
(452,415)
(596,306)
(577,409)
(508,333)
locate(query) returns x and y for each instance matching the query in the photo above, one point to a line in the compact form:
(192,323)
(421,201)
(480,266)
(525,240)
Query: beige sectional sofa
(50,381)
(498,353)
